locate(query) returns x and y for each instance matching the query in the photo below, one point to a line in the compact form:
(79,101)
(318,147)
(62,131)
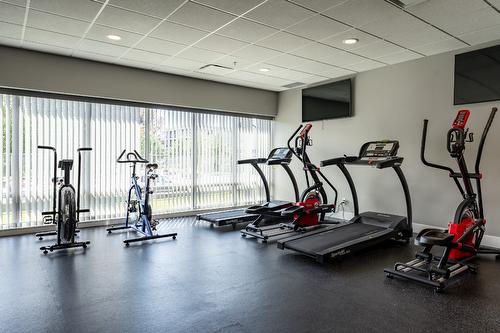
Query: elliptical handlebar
(290,140)
(422,151)
(483,138)
(132,157)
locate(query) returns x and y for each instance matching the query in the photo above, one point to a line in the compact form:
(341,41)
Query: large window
(196,152)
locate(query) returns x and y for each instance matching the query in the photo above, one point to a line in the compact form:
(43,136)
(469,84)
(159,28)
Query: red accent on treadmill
(461,119)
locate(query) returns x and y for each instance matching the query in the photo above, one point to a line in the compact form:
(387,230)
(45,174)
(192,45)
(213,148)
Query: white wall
(391,103)
(36,71)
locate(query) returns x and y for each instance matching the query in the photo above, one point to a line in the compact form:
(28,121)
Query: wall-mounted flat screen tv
(477,76)
(332,100)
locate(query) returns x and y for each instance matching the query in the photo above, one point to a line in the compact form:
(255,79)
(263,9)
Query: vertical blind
(196,153)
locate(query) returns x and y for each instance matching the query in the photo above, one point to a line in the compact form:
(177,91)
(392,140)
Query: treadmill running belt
(227,215)
(336,236)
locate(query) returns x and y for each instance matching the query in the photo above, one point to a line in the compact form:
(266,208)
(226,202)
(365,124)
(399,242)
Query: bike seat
(152,166)
(434,237)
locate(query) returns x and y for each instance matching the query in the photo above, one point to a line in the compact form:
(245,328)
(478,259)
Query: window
(196,152)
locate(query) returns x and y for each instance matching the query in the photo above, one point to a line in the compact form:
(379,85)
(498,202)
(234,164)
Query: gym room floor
(211,280)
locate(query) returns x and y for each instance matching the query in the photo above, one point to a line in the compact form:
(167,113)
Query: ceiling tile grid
(262,43)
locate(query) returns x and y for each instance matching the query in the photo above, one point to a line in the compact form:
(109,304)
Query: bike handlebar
(47,147)
(132,157)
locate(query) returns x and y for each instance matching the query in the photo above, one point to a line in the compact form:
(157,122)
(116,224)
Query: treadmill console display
(379,150)
(280,154)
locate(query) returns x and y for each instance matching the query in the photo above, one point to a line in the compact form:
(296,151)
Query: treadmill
(278,156)
(363,230)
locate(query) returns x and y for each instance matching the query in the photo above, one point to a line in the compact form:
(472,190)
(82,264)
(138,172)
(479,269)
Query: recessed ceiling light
(114,37)
(264,70)
(350,41)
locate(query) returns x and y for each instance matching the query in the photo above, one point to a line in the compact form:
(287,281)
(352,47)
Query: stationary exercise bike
(462,240)
(139,215)
(65,213)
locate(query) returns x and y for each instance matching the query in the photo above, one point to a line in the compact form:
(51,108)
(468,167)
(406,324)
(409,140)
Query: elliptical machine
(65,213)
(305,215)
(462,240)
(139,209)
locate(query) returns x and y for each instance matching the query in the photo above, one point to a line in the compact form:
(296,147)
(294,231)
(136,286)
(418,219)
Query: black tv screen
(477,76)
(328,101)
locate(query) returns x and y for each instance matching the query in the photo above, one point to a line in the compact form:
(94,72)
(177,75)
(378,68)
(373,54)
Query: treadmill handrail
(260,160)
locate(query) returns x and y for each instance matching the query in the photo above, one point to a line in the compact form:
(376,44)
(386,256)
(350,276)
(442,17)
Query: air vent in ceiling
(294,85)
(404,4)
(215,69)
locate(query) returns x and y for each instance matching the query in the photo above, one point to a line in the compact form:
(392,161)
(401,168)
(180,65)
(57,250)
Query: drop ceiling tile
(10,41)
(15,2)
(56,23)
(319,5)
(200,55)
(308,66)
(234,62)
(257,78)
(318,27)
(10,30)
(50,38)
(399,57)
(79,9)
(220,44)
(160,46)
(93,56)
(126,20)
(296,76)
(134,63)
(283,41)
(11,14)
(246,30)
(47,48)
(236,7)
(256,53)
(183,64)
(178,33)
(201,17)
(327,55)
(99,32)
(158,8)
(365,65)
(442,46)
(377,49)
(482,36)
(279,14)
(364,39)
(273,69)
(473,21)
(361,12)
(145,56)
(405,30)
(446,13)
(172,70)
(102,48)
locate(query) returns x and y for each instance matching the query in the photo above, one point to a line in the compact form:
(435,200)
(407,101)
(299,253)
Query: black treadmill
(365,229)
(278,156)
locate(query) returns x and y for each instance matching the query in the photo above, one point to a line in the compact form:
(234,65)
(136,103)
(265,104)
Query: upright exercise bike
(462,240)
(139,215)
(65,213)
